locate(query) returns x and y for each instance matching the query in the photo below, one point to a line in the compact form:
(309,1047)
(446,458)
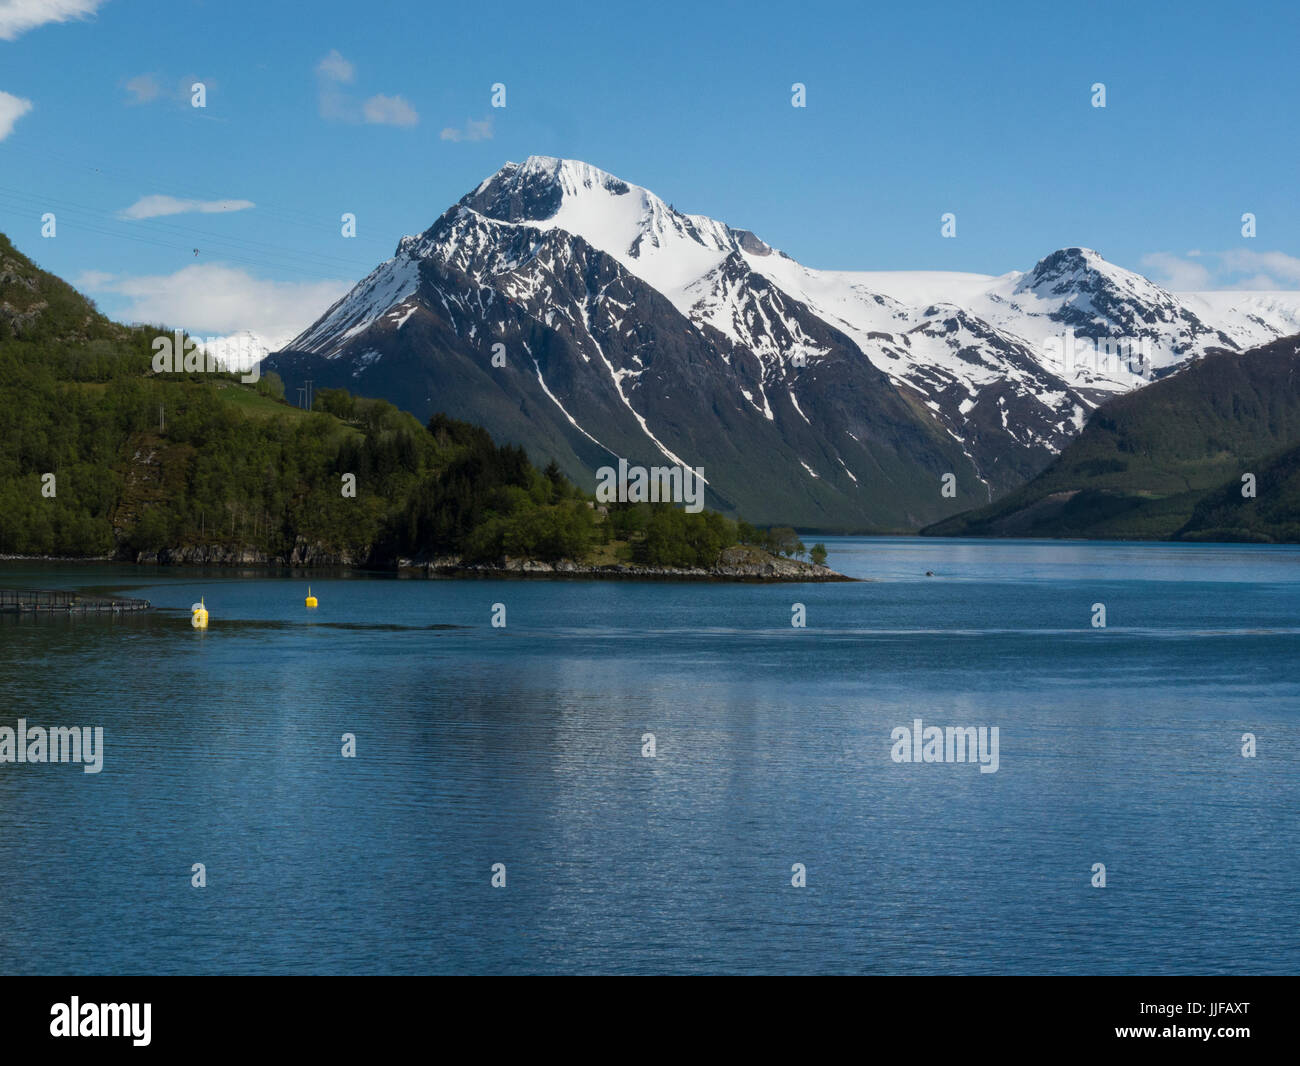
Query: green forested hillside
(1146,460)
(143,461)
(1272,515)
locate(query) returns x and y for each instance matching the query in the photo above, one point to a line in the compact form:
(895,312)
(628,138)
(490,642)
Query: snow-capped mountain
(825,398)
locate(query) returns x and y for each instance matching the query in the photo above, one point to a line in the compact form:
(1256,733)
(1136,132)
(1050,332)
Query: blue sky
(384,110)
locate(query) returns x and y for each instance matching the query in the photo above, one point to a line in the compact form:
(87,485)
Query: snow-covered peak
(1067,272)
(1076,289)
(1063,266)
(568,170)
(534,190)
(653,240)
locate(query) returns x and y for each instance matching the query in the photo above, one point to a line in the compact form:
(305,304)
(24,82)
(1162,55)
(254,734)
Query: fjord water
(522,745)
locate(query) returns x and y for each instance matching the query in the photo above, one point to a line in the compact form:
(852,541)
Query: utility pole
(160,417)
(309,394)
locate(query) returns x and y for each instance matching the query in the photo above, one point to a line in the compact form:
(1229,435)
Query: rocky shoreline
(734,564)
(738,564)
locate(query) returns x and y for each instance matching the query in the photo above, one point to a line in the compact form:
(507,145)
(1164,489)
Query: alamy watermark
(934,743)
(1101,355)
(78,744)
(656,484)
(130,1020)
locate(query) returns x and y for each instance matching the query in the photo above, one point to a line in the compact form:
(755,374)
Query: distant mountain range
(824,399)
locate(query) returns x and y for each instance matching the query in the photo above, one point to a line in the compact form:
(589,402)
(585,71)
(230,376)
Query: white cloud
(383,110)
(158,206)
(335,68)
(1236,268)
(212,299)
(12,108)
(19,16)
(473,131)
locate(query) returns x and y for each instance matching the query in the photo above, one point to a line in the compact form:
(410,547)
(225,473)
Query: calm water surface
(522,746)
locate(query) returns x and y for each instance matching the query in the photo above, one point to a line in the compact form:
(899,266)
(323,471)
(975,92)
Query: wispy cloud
(19,16)
(1236,268)
(381,110)
(12,108)
(335,68)
(332,102)
(158,206)
(144,89)
(480,130)
(334,71)
(1264,265)
(91,280)
(1179,273)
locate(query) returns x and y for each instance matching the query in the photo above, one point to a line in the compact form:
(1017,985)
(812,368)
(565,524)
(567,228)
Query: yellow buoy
(199,615)
(311,600)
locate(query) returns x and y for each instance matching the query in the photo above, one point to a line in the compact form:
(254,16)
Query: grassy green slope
(1271,515)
